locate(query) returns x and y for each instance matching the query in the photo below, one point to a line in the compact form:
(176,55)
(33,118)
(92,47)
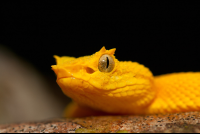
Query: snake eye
(106,63)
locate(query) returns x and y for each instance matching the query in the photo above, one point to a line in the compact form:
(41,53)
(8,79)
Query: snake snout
(61,72)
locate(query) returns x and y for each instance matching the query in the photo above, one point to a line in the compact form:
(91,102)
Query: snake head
(102,82)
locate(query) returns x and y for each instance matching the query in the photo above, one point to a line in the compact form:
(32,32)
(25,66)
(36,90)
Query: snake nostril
(89,70)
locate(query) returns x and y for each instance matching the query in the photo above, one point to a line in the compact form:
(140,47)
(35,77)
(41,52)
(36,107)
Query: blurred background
(163,38)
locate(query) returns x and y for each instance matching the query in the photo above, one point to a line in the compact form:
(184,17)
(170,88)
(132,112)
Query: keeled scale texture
(176,92)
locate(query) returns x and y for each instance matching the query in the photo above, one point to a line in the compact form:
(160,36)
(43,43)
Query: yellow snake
(102,83)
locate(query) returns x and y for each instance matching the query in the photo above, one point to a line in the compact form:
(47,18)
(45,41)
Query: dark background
(163,38)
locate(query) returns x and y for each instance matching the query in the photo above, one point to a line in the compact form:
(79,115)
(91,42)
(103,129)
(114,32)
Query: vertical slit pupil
(107,62)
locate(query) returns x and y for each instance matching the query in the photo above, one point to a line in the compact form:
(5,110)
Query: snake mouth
(65,77)
(73,82)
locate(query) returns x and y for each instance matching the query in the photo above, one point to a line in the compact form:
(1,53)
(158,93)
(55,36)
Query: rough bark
(179,122)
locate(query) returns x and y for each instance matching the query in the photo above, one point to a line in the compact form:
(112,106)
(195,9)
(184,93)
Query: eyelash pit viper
(101,84)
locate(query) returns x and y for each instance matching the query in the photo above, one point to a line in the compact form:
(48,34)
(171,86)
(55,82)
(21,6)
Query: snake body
(102,83)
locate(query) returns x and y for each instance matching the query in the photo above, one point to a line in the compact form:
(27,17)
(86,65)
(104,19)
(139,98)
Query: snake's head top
(101,81)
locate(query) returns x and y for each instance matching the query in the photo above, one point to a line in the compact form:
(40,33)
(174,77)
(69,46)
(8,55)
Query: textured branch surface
(181,122)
